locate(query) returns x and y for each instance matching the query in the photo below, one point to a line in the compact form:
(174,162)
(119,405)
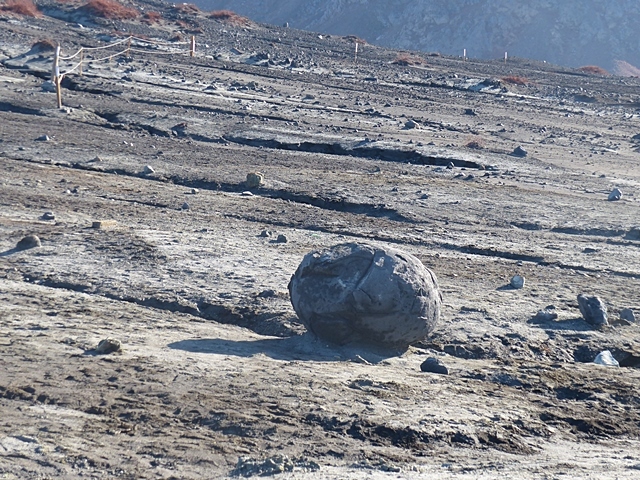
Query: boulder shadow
(306,347)
(11,251)
(577,324)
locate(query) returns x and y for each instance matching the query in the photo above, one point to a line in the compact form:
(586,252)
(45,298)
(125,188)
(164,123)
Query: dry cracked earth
(155,239)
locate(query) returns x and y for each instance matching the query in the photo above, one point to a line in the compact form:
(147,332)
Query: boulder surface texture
(359,293)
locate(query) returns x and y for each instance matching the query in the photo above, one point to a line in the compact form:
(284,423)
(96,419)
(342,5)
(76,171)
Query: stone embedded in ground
(282,239)
(450,165)
(185,206)
(593,310)
(517,282)
(606,358)
(360,293)
(520,152)
(433,365)
(410,124)
(48,216)
(43,138)
(246,194)
(616,194)
(194,191)
(148,169)
(544,316)
(108,345)
(265,233)
(254,180)
(628,315)
(104,224)
(470,111)
(30,241)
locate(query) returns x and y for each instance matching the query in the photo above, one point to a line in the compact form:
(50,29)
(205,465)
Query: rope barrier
(57,76)
(129,38)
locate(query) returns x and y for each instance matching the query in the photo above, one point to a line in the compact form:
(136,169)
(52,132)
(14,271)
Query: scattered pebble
(267,293)
(470,111)
(108,345)
(282,239)
(544,316)
(104,224)
(628,315)
(593,310)
(265,233)
(433,365)
(517,282)
(48,86)
(616,194)
(520,152)
(450,165)
(48,216)
(30,241)
(606,358)
(254,180)
(246,194)
(410,124)
(148,169)
(195,191)
(185,206)
(43,138)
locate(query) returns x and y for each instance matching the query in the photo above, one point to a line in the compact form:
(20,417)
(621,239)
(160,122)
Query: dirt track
(214,365)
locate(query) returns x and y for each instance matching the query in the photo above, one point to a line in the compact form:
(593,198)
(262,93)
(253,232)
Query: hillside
(571,32)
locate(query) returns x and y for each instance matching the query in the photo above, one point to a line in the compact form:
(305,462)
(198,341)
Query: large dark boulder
(359,293)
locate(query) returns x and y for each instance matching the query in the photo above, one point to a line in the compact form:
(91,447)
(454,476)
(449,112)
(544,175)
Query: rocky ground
(156,240)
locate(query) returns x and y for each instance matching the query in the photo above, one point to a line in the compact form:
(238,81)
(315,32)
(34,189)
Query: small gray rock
(48,86)
(43,138)
(628,315)
(185,206)
(282,239)
(195,191)
(450,165)
(616,194)
(265,234)
(148,169)
(246,194)
(520,152)
(410,124)
(544,316)
(433,365)
(254,180)
(470,111)
(48,216)
(30,241)
(108,345)
(517,282)
(593,310)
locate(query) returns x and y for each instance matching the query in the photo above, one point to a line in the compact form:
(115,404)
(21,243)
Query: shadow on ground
(303,347)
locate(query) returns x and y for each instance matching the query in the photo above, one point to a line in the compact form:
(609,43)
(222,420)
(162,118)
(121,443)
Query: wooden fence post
(55,75)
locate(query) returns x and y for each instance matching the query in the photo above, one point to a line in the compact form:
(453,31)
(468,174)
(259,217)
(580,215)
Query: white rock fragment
(606,358)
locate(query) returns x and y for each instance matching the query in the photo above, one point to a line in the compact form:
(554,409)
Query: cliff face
(570,32)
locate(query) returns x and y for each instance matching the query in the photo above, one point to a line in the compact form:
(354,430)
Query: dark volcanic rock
(593,310)
(433,365)
(365,294)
